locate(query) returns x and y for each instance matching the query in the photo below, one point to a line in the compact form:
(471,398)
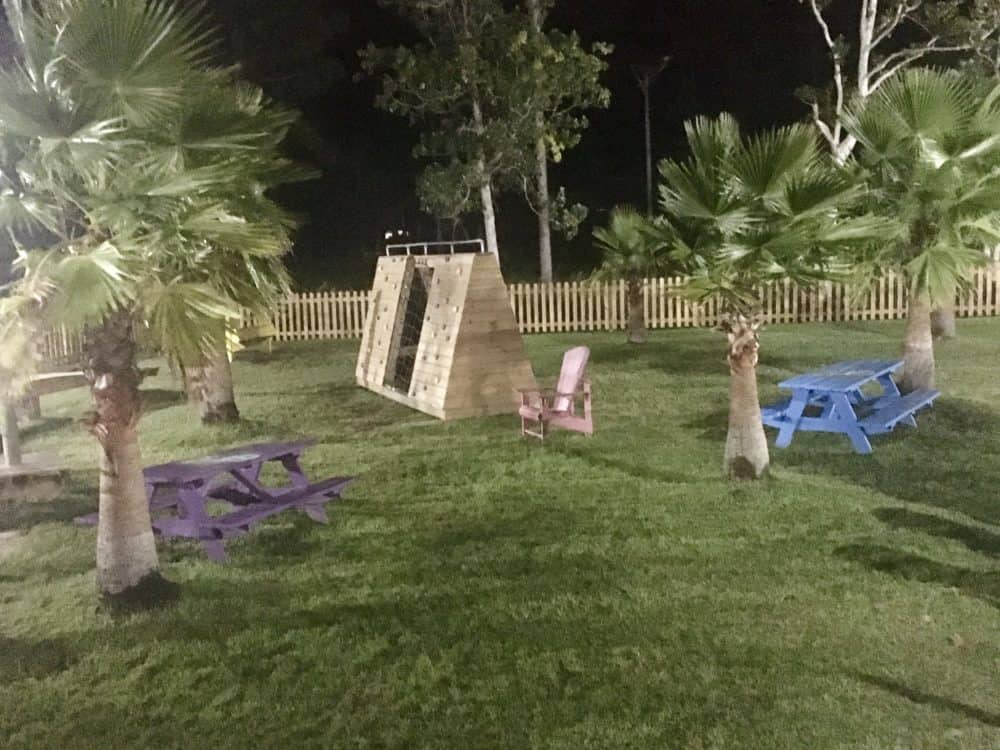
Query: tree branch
(823,25)
(831,135)
(823,128)
(895,62)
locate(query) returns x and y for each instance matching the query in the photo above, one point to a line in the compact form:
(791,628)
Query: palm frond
(26,212)
(87,286)
(940,269)
(184,316)
(632,247)
(217,225)
(133,58)
(767,161)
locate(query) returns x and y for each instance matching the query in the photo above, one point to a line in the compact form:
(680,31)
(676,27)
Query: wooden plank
(556,315)
(620,305)
(590,305)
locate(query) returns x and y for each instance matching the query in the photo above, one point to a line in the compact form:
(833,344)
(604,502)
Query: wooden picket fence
(588,306)
(603,306)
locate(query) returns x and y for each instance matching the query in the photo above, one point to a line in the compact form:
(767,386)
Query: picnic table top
(205,468)
(843,376)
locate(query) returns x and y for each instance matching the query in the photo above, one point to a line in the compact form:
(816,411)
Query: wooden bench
(773,414)
(890,412)
(45,383)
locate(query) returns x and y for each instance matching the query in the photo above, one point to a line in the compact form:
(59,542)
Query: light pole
(645,75)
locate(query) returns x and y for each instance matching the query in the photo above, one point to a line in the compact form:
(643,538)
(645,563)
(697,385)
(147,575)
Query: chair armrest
(543,396)
(536,390)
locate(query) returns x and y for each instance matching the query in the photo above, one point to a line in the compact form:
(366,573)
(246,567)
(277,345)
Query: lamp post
(644,76)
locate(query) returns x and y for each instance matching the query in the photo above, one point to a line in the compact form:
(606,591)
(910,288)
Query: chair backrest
(574,365)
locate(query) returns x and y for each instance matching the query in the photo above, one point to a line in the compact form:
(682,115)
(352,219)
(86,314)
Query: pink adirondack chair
(557,407)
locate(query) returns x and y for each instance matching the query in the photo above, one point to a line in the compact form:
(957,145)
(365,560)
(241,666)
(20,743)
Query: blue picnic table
(833,399)
(182,491)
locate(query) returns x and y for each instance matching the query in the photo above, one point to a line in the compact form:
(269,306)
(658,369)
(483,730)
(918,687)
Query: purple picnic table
(233,476)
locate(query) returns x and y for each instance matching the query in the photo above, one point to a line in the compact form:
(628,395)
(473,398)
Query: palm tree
(247,269)
(930,146)
(632,251)
(143,172)
(741,211)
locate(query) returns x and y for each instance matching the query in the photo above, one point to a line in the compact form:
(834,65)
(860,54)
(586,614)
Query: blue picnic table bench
(183,489)
(833,400)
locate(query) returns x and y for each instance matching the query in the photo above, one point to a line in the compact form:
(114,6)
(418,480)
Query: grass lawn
(475,590)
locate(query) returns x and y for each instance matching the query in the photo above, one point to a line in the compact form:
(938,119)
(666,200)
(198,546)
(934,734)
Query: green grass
(475,590)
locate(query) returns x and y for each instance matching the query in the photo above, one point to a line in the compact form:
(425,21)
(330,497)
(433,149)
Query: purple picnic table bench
(186,487)
(835,395)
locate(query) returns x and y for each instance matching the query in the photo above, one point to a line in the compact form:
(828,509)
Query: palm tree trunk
(190,377)
(943,322)
(211,383)
(746,455)
(637,333)
(127,565)
(918,347)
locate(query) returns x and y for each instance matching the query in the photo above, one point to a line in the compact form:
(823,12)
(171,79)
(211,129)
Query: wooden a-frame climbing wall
(441,336)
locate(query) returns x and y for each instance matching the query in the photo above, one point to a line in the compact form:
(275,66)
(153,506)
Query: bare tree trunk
(637,333)
(127,565)
(489,215)
(918,347)
(746,455)
(542,173)
(943,322)
(486,190)
(544,217)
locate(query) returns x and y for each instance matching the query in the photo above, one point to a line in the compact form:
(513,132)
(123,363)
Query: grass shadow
(22,659)
(711,427)
(929,699)
(937,464)
(640,468)
(983,585)
(154,399)
(974,538)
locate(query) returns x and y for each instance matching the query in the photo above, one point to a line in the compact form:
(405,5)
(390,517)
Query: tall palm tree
(741,211)
(138,173)
(633,252)
(930,148)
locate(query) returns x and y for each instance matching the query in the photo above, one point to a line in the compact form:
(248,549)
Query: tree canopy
(930,148)
(134,174)
(744,210)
